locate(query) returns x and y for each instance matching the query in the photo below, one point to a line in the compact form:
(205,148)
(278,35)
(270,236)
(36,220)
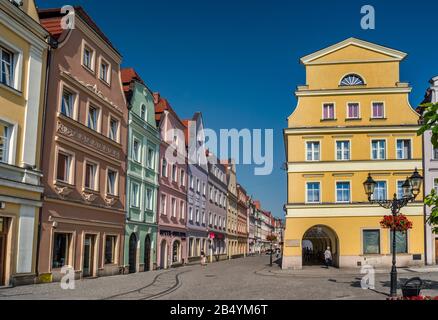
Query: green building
(142,176)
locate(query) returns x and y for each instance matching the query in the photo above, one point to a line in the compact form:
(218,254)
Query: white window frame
(136,156)
(349,150)
(371,149)
(91,68)
(116,182)
(12,140)
(358,111)
(163,204)
(306,148)
(334,110)
(71,169)
(106,81)
(151,163)
(17,68)
(91,104)
(135,198)
(387,188)
(320,192)
(96,174)
(64,86)
(410,156)
(111,116)
(149,201)
(372,109)
(336,191)
(173,203)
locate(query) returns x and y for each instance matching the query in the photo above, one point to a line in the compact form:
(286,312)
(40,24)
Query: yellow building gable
(353,117)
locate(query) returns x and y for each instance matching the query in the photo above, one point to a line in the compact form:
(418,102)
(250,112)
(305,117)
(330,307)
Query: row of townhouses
(99,173)
(353,118)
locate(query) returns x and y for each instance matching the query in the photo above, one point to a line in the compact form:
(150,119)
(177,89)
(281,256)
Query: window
(215,221)
(63,172)
(435,185)
(400,189)
(5,138)
(371,241)
(174,207)
(220,222)
(104,73)
(67,103)
(174,173)
(313,151)
(204,189)
(353,111)
(93,115)
(313,192)
(163,204)
(378,110)
(192,182)
(110,249)
(209,218)
(6,67)
(435,154)
(112,182)
(197,216)
(88,57)
(136,150)
(164,168)
(203,217)
(328,111)
(90,176)
(135,201)
(150,158)
(149,199)
(378,149)
(352,80)
(403,149)
(198,185)
(342,191)
(401,241)
(182,178)
(190,213)
(342,150)
(143,112)
(182,208)
(61,245)
(380,191)
(114,129)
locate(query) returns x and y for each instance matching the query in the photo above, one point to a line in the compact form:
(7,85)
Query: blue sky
(237,61)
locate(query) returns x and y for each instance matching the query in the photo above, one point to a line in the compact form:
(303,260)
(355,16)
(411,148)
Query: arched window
(143,112)
(352,80)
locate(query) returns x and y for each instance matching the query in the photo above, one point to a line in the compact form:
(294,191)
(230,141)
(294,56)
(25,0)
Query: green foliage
(432,201)
(430,122)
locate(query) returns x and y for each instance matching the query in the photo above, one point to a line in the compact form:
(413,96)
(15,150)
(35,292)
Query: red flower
(398,223)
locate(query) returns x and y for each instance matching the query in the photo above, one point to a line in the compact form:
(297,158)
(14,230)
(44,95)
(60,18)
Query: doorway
(315,242)
(147,254)
(133,253)
(89,250)
(3,240)
(163,254)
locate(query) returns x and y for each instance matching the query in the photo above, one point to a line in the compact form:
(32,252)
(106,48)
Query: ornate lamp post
(411,188)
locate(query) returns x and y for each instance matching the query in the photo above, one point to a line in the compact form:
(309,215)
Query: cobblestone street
(218,282)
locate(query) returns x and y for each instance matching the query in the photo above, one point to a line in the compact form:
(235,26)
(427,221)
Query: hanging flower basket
(399,223)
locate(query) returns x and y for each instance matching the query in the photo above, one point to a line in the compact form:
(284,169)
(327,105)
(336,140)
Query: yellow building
(353,117)
(23,55)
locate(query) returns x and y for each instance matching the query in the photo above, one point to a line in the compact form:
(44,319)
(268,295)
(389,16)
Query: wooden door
(88,265)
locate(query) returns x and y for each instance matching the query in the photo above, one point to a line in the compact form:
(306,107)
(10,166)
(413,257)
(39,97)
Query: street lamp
(411,188)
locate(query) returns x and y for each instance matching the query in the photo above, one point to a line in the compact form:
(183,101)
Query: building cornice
(355,129)
(301,92)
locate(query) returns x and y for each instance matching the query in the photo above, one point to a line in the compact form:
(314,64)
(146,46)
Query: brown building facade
(83,214)
(242,220)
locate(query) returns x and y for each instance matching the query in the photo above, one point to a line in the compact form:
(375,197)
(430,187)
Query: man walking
(328,257)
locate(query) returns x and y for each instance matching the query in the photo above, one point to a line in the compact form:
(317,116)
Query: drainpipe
(52,44)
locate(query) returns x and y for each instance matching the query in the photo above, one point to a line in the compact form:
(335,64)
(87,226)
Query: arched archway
(163,254)
(315,241)
(133,253)
(147,253)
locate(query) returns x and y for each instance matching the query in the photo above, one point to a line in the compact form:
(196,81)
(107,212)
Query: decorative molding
(87,140)
(110,200)
(88,196)
(63,191)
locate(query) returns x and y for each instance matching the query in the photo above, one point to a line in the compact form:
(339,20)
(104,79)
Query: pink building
(172,195)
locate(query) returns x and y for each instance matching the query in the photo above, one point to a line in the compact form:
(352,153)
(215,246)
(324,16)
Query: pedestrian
(203,258)
(328,257)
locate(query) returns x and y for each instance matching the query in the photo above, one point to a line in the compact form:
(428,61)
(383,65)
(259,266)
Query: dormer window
(352,80)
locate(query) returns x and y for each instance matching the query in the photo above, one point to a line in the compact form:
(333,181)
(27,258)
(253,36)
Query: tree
(430,122)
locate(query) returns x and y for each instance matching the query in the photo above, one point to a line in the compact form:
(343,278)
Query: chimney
(156,97)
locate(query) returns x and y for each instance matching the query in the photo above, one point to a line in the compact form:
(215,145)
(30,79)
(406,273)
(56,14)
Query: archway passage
(315,242)
(147,253)
(132,253)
